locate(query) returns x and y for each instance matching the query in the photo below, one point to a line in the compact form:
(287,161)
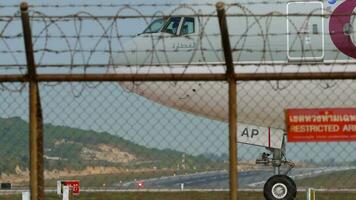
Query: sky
(96,106)
(106,107)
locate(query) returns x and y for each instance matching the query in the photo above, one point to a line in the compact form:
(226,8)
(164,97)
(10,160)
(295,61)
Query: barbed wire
(238,64)
(64,51)
(67,18)
(111,5)
(91,36)
(107,38)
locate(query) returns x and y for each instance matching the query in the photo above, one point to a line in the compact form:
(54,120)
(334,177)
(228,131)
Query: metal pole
(220,7)
(70,197)
(180,77)
(36,135)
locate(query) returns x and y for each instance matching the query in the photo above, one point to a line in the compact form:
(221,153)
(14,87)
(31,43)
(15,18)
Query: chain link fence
(169,134)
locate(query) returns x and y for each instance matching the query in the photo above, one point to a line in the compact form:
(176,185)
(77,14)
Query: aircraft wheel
(280,187)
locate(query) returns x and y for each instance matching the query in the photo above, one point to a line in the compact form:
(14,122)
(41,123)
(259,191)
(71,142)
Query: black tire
(280,187)
(295,186)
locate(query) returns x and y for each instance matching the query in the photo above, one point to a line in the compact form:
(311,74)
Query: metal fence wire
(175,98)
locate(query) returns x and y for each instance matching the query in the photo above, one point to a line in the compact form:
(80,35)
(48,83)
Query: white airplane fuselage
(276,37)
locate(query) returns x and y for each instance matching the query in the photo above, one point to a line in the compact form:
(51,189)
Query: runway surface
(206,181)
(220,179)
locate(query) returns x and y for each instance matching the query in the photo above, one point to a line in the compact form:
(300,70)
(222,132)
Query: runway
(253,179)
(206,181)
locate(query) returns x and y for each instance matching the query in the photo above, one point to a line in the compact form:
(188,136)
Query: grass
(343,179)
(185,196)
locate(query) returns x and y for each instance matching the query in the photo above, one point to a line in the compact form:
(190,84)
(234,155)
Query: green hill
(76,149)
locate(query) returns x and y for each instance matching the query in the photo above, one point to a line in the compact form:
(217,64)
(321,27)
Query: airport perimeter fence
(96,99)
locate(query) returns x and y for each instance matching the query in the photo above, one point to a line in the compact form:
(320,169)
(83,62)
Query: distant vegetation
(76,149)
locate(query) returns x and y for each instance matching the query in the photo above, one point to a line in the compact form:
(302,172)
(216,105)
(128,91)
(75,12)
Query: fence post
(230,73)
(36,126)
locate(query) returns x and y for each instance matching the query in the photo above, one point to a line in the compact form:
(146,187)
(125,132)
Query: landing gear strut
(280,186)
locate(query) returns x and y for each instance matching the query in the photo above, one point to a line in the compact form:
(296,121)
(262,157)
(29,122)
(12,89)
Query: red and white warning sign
(74,184)
(321,124)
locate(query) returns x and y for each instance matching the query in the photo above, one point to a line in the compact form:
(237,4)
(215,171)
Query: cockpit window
(155,26)
(172,25)
(188,26)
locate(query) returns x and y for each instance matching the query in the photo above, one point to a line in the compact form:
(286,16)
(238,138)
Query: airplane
(277,36)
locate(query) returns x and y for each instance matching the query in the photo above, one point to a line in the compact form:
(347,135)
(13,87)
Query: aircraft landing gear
(280,187)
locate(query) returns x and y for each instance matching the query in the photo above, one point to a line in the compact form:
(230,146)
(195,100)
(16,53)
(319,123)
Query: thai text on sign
(321,124)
